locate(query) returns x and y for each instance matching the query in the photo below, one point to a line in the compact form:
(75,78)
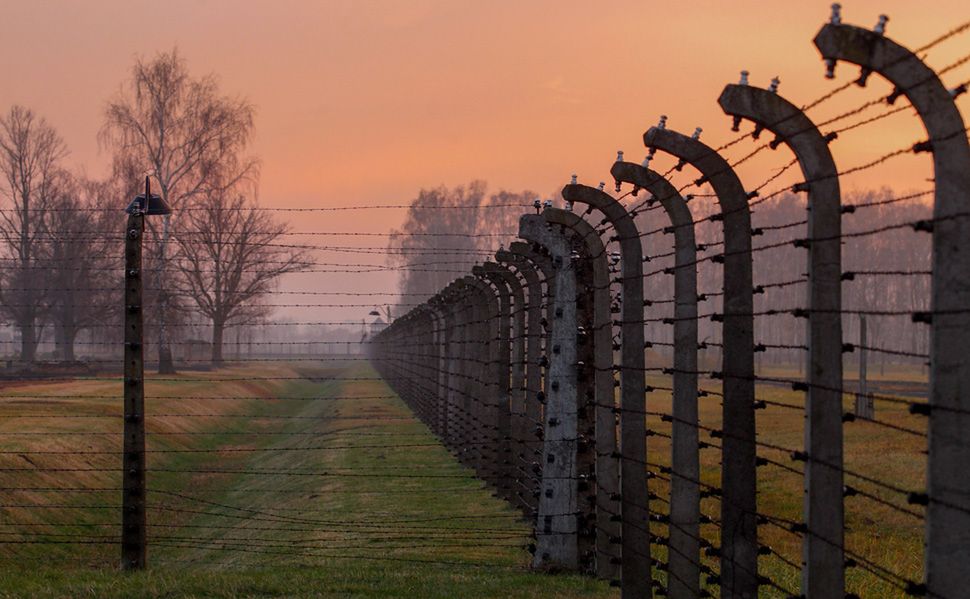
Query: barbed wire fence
(638,378)
(745,462)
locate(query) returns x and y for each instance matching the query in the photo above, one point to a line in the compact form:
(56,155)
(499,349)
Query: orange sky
(363,102)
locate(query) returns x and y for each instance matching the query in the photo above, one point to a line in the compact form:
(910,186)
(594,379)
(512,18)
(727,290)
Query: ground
(385,510)
(377,508)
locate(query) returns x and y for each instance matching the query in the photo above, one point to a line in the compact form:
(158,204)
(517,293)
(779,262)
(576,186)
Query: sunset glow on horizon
(364,103)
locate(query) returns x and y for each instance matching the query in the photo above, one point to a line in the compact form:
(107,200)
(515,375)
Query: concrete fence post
(518,428)
(636,580)
(948,509)
(585,403)
(486,380)
(556,530)
(454,302)
(525,406)
(501,370)
(445,326)
(433,366)
(468,439)
(607,481)
(541,261)
(739,528)
(474,392)
(823,572)
(684,534)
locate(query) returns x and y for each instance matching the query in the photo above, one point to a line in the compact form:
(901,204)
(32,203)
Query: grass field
(376,509)
(383,511)
(885,535)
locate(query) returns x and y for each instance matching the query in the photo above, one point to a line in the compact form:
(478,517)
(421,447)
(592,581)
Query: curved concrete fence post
(948,510)
(413,349)
(540,260)
(485,379)
(454,301)
(435,366)
(525,407)
(452,297)
(823,573)
(517,427)
(585,404)
(684,534)
(500,372)
(469,440)
(444,340)
(739,528)
(410,343)
(635,514)
(604,402)
(556,528)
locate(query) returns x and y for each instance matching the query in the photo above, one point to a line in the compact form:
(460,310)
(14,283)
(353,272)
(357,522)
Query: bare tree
(83,251)
(230,257)
(183,131)
(446,231)
(30,152)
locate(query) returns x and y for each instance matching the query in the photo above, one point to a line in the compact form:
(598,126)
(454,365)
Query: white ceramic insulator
(881,25)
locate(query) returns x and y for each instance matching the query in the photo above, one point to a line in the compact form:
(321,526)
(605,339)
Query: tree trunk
(28,341)
(165,363)
(218,328)
(60,342)
(70,335)
(65,333)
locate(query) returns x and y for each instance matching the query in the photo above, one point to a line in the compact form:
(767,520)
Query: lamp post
(133,521)
(386,313)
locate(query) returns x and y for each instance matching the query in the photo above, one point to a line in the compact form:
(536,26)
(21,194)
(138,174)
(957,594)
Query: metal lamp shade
(156,205)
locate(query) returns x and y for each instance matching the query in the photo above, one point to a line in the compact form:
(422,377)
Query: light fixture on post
(133,519)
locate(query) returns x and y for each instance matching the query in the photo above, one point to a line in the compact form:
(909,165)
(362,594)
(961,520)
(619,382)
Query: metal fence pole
(134,536)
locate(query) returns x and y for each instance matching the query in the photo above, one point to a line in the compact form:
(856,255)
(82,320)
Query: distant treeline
(449,230)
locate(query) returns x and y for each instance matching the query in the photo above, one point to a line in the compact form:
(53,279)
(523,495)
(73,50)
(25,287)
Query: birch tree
(231,255)
(186,133)
(30,156)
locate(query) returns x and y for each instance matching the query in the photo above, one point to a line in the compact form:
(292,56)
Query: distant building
(376,326)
